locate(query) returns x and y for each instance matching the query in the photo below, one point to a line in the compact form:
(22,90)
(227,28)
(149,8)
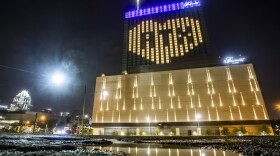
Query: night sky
(83,38)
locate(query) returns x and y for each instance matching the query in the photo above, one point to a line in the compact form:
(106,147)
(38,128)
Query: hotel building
(173,86)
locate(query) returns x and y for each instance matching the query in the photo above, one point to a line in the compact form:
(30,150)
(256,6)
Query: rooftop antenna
(138,4)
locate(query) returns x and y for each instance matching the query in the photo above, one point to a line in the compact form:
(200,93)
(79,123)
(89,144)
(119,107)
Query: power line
(18,69)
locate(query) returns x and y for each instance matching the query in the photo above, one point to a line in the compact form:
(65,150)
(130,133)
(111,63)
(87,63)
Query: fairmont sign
(191,3)
(232,60)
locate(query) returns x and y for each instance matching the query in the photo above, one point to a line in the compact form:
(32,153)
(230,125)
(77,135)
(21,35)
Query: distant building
(22,101)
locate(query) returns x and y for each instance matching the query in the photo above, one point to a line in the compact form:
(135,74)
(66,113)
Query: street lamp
(58,78)
(198,116)
(148,119)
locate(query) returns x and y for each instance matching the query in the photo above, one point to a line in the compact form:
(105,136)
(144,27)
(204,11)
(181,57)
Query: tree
(243,130)
(115,133)
(225,131)
(208,131)
(264,129)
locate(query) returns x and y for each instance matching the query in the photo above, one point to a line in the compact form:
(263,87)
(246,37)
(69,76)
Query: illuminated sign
(163,8)
(232,60)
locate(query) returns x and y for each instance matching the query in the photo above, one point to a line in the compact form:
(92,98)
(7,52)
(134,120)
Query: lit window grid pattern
(174,50)
(222,107)
(161,9)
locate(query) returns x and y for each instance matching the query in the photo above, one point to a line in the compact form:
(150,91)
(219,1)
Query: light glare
(58,78)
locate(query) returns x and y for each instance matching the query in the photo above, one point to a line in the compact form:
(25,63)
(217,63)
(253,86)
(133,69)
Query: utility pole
(83,114)
(35,122)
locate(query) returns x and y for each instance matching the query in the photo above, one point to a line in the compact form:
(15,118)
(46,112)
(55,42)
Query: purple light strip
(163,8)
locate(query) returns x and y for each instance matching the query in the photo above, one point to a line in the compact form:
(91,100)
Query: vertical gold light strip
(143,53)
(242,99)
(167,54)
(152,55)
(159,103)
(161,49)
(178,22)
(191,46)
(148,50)
(229,88)
(256,85)
(171,45)
(252,89)
(182,50)
(164,26)
(151,26)
(168,24)
(141,104)
(134,41)
(194,33)
(199,102)
(119,120)
(221,103)
(209,115)
(138,39)
(96,117)
(143,26)
(117,105)
(240,115)
(130,40)
(255,114)
(230,80)
(251,76)
(265,116)
(156,42)
(186,44)
(212,101)
(175,38)
(179,102)
(199,31)
(153,107)
(107,105)
(257,99)
(171,103)
(147,26)
(231,115)
(187,21)
(183,25)
(217,112)
(233,99)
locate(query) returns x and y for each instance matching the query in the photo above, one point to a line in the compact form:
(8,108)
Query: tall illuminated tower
(160,35)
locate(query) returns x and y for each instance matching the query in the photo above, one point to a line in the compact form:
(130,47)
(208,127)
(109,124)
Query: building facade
(158,35)
(174,86)
(223,95)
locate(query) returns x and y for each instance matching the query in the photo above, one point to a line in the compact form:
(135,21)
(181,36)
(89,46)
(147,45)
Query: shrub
(225,131)
(208,131)
(115,133)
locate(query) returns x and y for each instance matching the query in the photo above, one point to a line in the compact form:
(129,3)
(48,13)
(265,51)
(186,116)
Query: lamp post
(198,116)
(148,119)
(83,115)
